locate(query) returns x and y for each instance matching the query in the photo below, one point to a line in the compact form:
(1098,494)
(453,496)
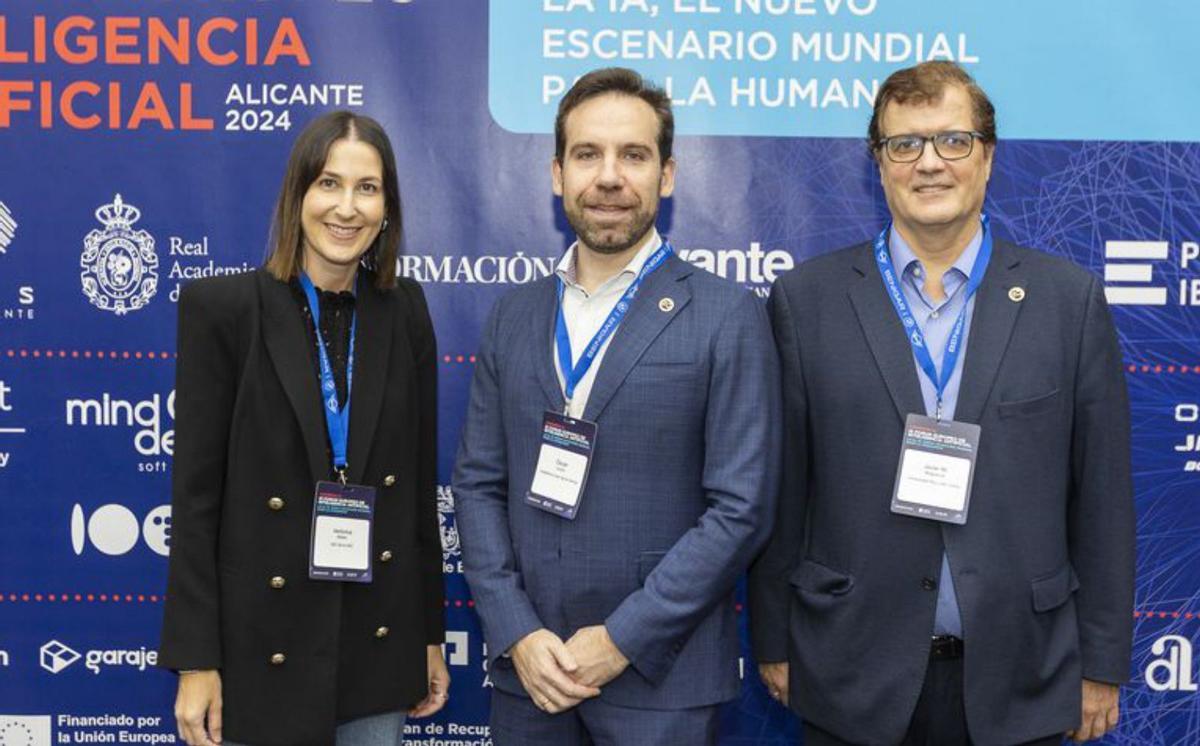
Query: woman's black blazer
(297,656)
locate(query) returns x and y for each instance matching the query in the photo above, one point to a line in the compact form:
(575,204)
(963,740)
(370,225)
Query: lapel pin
(1017,294)
(666,305)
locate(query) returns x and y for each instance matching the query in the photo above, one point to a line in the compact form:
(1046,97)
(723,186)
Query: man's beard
(610,240)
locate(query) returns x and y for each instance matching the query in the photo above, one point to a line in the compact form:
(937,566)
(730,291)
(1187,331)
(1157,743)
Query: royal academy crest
(119,266)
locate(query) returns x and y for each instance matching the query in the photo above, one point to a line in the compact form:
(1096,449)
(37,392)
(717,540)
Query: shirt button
(385,555)
(389,480)
(275,503)
(382,632)
(278,582)
(929,584)
(278,659)
(933,315)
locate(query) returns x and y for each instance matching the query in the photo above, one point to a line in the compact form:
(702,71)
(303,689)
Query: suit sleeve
(740,475)
(769,591)
(205,389)
(481,508)
(1101,511)
(425,353)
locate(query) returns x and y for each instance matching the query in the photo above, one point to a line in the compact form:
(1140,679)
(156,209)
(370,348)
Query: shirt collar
(904,258)
(566,265)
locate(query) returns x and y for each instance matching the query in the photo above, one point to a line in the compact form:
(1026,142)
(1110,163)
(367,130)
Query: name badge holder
(567,443)
(937,457)
(343,514)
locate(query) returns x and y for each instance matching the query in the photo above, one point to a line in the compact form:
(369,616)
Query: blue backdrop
(142,143)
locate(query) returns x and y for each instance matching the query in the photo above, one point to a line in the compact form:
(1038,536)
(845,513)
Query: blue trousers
(516,721)
(375,730)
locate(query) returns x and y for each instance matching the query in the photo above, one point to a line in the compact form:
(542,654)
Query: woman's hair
(286,244)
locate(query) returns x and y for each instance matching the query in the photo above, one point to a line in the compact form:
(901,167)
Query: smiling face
(932,198)
(611,176)
(342,213)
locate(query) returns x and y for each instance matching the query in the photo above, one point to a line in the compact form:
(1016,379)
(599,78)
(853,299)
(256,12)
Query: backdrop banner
(142,144)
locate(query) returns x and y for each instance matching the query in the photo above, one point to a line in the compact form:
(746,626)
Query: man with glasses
(953,554)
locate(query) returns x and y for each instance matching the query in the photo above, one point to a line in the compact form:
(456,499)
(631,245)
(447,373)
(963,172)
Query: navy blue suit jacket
(846,591)
(679,499)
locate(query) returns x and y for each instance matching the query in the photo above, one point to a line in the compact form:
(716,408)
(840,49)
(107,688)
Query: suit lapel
(544,362)
(992,323)
(372,348)
(641,325)
(885,335)
(287,345)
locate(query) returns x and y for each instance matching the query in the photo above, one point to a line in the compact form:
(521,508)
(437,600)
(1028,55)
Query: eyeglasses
(950,146)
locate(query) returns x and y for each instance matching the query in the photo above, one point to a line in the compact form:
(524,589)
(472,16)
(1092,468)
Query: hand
(600,660)
(198,700)
(439,684)
(1101,709)
(544,666)
(775,677)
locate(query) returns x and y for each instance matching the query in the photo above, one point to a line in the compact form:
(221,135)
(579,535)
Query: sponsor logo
(7,429)
(1171,671)
(753,267)
(456,648)
(8,228)
(1188,413)
(25,730)
(113,529)
(1130,281)
(119,266)
(150,439)
(55,656)
(451,546)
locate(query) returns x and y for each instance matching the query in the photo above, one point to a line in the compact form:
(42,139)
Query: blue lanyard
(572,375)
(883,258)
(337,419)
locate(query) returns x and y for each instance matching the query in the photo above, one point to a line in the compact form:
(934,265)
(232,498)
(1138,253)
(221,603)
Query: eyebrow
(622,146)
(339,177)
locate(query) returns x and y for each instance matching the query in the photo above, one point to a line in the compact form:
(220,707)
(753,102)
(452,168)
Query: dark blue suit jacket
(1043,568)
(679,499)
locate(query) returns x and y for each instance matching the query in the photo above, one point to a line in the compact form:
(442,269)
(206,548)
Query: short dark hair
(926,83)
(305,164)
(616,80)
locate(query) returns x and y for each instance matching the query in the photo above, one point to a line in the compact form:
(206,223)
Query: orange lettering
(46,110)
(186,120)
(204,43)
(150,105)
(39,38)
(8,104)
(86,52)
(114,105)
(69,115)
(251,41)
(6,55)
(287,42)
(114,40)
(160,36)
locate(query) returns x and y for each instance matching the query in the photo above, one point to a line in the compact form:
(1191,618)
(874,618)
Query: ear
(556,176)
(666,182)
(989,151)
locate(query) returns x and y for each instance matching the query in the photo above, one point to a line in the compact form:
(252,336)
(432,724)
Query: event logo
(113,529)
(119,264)
(8,228)
(451,547)
(1172,670)
(25,730)
(55,656)
(456,648)
(1131,283)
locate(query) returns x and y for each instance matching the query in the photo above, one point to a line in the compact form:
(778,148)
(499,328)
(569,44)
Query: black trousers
(940,718)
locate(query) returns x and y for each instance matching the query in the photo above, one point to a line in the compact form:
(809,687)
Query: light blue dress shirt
(936,320)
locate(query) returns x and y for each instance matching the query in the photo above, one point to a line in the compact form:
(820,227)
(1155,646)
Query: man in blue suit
(618,464)
(953,555)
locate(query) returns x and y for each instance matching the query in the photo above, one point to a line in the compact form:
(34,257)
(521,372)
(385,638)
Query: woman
(304,601)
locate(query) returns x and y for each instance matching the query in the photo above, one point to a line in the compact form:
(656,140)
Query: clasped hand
(559,675)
